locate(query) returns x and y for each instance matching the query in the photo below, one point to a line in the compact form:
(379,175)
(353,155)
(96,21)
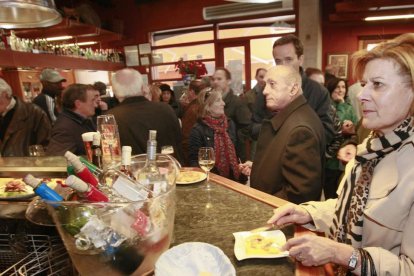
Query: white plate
(194,258)
(28,193)
(240,244)
(187,177)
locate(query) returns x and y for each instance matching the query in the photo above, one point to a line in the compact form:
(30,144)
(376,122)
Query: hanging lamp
(28,14)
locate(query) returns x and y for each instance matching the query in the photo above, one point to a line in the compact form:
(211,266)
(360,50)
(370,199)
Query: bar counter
(212,216)
(202,215)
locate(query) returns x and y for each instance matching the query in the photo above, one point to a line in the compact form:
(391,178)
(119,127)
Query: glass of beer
(87,139)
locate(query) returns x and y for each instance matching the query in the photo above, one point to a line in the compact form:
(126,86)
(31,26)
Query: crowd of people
(294,135)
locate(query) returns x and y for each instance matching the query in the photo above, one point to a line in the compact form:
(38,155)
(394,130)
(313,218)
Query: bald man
(291,146)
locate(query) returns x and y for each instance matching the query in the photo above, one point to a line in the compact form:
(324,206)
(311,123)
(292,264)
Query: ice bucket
(119,238)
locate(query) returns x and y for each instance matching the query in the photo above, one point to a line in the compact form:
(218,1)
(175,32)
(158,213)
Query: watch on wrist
(353,260)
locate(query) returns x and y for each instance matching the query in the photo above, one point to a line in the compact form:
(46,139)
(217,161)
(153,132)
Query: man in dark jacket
(79,102)
(235,109)
(52,88)
(291,146)
(21,124)
(288,50)
(136,115)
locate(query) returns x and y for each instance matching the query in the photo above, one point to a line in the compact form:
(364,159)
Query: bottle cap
(152,135)
(126,155)
(96,139)
(77,184)
(31,181)
(74,161)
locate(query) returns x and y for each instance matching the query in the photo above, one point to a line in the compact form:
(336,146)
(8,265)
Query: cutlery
(269,227)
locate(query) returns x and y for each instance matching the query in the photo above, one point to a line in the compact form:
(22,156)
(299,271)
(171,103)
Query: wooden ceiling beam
(358,5)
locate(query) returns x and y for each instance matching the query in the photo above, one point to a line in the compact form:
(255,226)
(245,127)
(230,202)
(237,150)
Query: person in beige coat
(370,226)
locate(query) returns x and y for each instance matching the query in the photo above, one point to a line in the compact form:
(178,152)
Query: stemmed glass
(206,160)
(108,129)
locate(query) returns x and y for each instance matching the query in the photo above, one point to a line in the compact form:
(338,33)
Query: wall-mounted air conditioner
(245,9)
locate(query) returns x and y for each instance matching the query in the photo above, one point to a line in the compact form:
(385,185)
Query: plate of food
(190,177)
(267,244)
(15,188)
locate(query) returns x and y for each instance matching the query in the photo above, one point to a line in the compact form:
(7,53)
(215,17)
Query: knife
(269,227)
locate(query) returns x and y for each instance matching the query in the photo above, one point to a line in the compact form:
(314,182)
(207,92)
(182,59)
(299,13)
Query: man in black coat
(51,90)
(79,102)
(235,109)
(288,50)
(21,124)
(135,116)
(290,150)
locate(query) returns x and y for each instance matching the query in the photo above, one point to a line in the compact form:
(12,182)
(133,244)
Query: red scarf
(223,146)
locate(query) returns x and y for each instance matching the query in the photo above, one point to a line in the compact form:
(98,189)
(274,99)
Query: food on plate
(260,245)
(15,185)
(190,176)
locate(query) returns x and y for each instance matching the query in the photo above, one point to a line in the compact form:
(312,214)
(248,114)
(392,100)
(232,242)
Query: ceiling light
(82,43)
(55,38)
(389,17)
(28,14)
(255,1)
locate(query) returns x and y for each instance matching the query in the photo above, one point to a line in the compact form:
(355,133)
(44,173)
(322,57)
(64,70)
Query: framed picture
(340,64)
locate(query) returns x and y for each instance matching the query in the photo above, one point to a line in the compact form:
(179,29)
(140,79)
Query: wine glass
(206,160)
(36,150)
(108,129)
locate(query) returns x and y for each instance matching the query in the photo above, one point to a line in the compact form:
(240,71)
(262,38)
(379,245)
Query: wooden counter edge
(274,202)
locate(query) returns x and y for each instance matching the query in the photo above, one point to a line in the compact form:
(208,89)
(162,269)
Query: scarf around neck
(226,158)
(349,212)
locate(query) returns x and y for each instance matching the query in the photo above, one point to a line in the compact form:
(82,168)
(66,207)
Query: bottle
(85,190)
(41,189)
(150,176)
(80,169)
(126,162)
(97,150)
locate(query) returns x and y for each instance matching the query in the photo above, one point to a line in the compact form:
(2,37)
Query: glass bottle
(150,176)
(80,169)
(126,162)
(97,150)
(85,190)
(41,189)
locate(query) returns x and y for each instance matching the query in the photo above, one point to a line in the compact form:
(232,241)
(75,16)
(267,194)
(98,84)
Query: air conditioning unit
(245,9)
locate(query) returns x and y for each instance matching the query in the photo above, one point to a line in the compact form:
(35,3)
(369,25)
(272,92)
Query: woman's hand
(311,250)
(246,167)
(290,213)
(346,153)
(348,127)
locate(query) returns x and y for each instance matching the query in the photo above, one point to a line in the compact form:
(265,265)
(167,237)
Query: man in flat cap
(52,88)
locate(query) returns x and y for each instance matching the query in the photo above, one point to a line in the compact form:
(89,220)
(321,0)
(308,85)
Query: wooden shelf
(9,58)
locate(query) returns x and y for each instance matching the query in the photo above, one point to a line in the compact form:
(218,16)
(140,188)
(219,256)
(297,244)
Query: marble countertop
(212,216)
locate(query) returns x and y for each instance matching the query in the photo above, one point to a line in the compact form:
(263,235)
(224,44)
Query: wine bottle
(85,190)
(80,169)
(126,162)
(97,150)
(41,189)
(150,176)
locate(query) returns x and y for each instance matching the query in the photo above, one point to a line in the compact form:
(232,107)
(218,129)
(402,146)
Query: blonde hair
(206,98)
(400,50)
